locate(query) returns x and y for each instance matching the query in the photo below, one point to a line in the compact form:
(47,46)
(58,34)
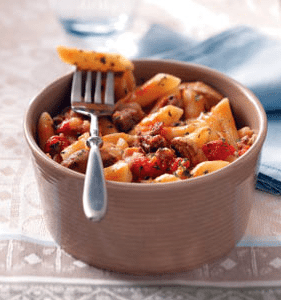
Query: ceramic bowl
(151,228)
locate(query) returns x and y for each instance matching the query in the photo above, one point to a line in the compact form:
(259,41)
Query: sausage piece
(128,116)
(77,161)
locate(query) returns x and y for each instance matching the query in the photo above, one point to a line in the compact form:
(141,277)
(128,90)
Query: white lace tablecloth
(32,266)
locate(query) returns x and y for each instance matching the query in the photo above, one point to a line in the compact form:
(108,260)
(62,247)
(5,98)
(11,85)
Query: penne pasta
(120,171)
(221,119)
(124,84)
(94,61)
(106,126)
(194,103)
(45,129)
(207,167)
(156,87)
(167,115)
(162,131)
(114,137)
(80,144)
(166,178)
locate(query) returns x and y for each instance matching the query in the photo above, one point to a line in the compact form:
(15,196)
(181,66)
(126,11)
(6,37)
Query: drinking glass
(97,21)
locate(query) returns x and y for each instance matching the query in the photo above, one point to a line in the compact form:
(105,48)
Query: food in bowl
(162,130)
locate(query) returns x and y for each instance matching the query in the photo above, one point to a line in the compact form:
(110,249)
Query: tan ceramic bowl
(151,228)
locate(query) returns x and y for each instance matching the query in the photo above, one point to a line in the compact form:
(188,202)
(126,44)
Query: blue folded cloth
(245,54)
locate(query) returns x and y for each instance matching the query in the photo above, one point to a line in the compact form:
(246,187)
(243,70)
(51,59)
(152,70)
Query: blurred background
(197,19)
(30,32)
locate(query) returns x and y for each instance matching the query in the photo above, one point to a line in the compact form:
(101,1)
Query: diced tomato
(218,150)
(151,166)
(55,144)
(243,149)
(140,166)
(157,166)
(164,158)
(179,162)
(64,127)
(70,126)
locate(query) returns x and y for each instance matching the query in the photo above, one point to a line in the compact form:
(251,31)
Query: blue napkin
(245,54)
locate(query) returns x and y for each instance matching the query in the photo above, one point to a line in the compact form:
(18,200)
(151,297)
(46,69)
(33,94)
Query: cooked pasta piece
(170,132)
(110,153)
(77,161)
(207,167)
(120,171)
(106,126)
(194,104)
(166,178)
(204,90)
(94,61)
(156,87)
(172,98)
(80,144)
(124,84)
(221,120)
(167,115)
(245,131)
(122,144)
(114,137)
(191,145)
(45,129)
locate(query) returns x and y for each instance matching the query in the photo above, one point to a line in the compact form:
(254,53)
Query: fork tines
(86,101)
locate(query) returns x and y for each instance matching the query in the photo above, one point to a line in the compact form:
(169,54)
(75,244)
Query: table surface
(32,266)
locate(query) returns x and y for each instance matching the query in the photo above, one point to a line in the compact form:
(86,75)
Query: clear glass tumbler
(98,20)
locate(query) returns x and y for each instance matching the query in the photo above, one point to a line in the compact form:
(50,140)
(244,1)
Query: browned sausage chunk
(77,161)
(128,116)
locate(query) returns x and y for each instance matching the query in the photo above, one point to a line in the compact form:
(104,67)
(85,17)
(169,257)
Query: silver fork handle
(94,194)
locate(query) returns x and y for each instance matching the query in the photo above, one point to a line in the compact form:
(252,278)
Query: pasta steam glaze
(160,131)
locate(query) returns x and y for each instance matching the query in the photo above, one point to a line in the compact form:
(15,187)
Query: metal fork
(94,193)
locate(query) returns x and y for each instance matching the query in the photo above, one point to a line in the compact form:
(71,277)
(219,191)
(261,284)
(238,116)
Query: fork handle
(94,194)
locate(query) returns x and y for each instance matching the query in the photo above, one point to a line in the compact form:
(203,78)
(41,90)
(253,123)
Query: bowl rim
(256,147)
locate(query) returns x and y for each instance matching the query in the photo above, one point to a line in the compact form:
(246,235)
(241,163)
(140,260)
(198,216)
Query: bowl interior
(246,108)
